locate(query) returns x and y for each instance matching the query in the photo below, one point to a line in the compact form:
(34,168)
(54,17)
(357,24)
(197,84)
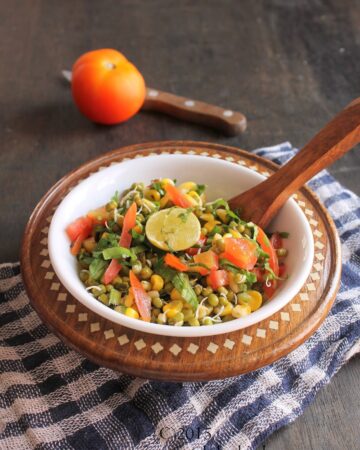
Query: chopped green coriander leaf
(115,197)
(284,234)
(118,253)
(97,268)
(182,284)
(200,188)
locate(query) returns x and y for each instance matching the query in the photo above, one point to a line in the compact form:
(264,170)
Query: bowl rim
(167,330)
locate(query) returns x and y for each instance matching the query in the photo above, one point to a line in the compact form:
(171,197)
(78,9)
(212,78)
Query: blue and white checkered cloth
(51,397)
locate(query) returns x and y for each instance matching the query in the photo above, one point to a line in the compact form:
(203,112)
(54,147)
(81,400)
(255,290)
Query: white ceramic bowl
(223,179)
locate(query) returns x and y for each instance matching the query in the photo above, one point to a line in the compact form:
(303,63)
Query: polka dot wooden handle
(229,122)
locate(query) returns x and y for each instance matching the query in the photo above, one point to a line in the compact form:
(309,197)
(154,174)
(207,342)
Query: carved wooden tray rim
(164,357)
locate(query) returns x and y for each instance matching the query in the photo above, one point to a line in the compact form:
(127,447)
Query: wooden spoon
(261,203)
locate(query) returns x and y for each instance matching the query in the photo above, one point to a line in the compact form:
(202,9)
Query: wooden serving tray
(169,358)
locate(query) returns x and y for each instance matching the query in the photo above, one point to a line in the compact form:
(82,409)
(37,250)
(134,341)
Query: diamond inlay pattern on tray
(246,339)
(212,348)
(311,287)
(157,348)
(304,296)
(62,297)
(46,264)
(95,326)
(123,339)
(175,349)
(273,325)
(82,317)
(261,333)
(70,309)
(140,344)
(229,344)
(55,286)
(193,348)
(108,334)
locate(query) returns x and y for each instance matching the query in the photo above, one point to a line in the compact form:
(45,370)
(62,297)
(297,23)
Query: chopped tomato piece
(111,272)
(276,240)
(76,245)
(129,224)
(176,263)
(195,250)
(99,216)
(218,278)
(282,270)
(142,298)
(241,252)
(80,226)
(209,259)
(270,288)
(267,247)
(177,197)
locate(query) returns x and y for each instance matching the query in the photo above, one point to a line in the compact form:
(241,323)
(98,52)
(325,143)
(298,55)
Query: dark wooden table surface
(289,66)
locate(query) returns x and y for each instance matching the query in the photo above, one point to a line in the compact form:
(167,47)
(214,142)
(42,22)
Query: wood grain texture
(226,121)
(297,68)
(168,358)
(261,203)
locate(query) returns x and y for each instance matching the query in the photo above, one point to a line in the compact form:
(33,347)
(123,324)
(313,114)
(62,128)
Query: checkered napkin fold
(51,397)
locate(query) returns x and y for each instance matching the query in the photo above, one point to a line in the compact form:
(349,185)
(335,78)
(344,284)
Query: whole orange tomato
(106,87)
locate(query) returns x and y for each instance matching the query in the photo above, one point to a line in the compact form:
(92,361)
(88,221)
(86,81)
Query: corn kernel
(175,295)
(194,322)
(227,310)
(172,308)
(131,312)
(157,283)
(164,201)
(210,225)
(251,298)
(222,214)
(187,186)
(166,181)
(129,299)
(195,196)
(171,313)
(207,217)
(175,305)
(235,234)
(152,194)
(241,311)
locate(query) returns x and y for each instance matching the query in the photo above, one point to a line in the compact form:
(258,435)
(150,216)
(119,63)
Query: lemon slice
(173,229)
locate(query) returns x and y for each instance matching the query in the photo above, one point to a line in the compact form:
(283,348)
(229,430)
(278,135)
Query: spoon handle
(337,137)
(228,122)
